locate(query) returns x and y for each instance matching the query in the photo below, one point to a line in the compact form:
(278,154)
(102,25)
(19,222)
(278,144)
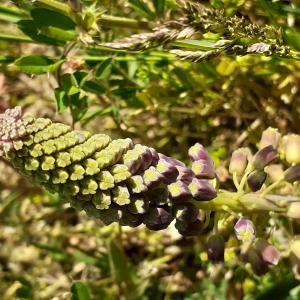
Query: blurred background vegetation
(52,63)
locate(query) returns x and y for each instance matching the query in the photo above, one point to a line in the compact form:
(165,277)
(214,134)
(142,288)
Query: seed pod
(264,157)
(256,179)
(215,249)
(244,230)
(239,161)
(112,180)
(270,136)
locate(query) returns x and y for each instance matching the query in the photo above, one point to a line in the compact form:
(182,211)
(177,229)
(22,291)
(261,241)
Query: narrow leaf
(37,64)
(159,6)
(80,291)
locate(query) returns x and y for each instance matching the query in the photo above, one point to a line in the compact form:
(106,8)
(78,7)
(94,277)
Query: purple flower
(244,230)
(264,157)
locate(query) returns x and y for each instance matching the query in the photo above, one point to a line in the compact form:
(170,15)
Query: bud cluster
(113,180)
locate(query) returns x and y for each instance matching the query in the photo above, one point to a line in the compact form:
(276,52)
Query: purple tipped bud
(258,265)
(204,169)
(179,191)
(268,252)
(186,212)
(244,230)
(293,210)
(215,249)
(170,160)
(185,175)
(270,136)
(202,190)
(197,152)
(239,161)
(146,159)
(264,157)
(155,156)
(189,229)
(158,218)
(292,174)
(256,180)
(168,171)
(292,148)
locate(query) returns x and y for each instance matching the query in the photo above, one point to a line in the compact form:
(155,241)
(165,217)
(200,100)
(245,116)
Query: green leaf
(37,64)
(62,102)
(292,36)
(103,67)
(141,7)
(30,29)
(159,6)
(80,291)
(46,17)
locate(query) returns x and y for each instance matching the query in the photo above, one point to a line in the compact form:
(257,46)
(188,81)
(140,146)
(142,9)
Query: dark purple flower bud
(270,136)
(128,219)
(186,212)
(189,229)
(215,248)
(204,169)
(292,174)
(268,252)
(158,196)
(256,180)
(198,152)
(244,230)
(239,161)
(264,157)
(108,216)
(158,218)
(179,191)
(168,171)
(258,265)
(202,190)
(185,175)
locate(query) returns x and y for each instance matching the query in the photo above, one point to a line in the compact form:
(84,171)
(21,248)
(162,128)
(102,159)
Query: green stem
(16,38)
(250,202)
(271,187)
